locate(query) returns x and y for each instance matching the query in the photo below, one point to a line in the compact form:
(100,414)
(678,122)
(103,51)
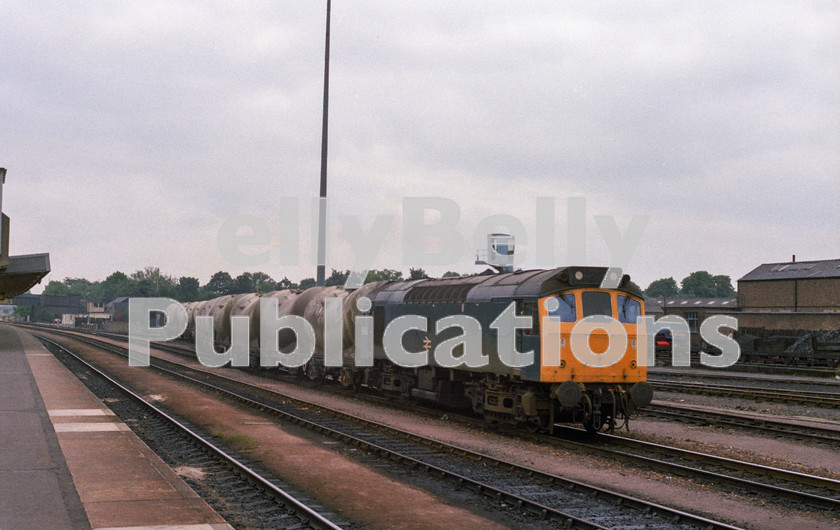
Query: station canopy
(22,273)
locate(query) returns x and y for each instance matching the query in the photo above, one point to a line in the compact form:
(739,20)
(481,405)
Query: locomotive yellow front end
(590,355)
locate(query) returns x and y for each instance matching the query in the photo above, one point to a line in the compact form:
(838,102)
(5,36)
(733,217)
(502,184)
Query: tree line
(699,284)
(151,282)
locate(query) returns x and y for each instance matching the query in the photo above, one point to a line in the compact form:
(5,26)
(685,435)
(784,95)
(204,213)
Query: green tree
(337,278)
(86,289)
(451,274)
(82,287)
(204,294)
(699,284)
(151,282)
(417,274)
(384,274)
(116,285)
(220,283)
(96,292)
(263,282)
(22,312)
(187,289)
(48,316)
(56,288)
(666,287)
(244,283)
(306,283)
(285,283)
(723,286)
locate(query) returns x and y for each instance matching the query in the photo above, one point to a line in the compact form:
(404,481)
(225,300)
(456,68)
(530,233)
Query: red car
(662,341)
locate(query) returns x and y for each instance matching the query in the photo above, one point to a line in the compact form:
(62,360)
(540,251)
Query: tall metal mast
(322,202)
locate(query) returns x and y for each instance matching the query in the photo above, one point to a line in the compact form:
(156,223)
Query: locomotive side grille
(439,293)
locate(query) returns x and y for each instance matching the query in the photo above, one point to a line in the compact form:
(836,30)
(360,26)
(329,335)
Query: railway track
(742,378)
(547,497)
(746,477)
(766,363)
(679,413)
(762,480)
(764,425)
(775,395)
(240,493)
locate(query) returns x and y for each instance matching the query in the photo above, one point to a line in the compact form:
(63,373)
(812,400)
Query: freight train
(534,396)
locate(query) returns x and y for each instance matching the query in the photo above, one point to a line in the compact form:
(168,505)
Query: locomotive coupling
(641,394)
(569,393)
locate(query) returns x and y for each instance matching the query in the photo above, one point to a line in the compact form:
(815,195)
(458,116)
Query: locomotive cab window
(567,308)
(628,309)
(596,303)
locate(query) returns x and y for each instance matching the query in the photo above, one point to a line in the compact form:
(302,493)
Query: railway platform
(67,462)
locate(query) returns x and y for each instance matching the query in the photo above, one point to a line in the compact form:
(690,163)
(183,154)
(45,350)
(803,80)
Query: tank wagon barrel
(244,305)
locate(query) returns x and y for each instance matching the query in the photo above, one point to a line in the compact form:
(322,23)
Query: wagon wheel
(358,379)
(315,373)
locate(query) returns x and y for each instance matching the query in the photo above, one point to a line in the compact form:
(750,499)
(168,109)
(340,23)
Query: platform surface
(67,462)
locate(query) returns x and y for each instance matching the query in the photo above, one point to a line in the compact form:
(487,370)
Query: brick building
(790,297)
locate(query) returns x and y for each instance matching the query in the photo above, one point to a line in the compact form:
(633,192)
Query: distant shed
(795,295)
(118,308)
(696,310)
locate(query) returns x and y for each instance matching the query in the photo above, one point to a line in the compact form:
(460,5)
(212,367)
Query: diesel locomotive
(556,384)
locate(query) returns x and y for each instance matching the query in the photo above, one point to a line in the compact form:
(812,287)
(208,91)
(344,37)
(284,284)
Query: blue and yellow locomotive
(556,386)
(567,369)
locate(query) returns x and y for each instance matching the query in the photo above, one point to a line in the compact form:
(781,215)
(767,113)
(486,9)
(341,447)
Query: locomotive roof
(490,286)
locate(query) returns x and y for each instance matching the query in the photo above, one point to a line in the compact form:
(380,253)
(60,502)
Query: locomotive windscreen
(628,309)
(596,303)
(565,308)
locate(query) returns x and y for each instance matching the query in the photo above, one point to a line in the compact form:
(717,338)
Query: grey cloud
(673,111)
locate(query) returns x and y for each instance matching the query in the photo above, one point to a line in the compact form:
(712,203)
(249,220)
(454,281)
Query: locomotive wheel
(545,422)
(541,424)
(531,426)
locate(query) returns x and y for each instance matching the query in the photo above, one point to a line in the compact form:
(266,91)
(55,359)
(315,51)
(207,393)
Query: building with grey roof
(794,295)
(804,286)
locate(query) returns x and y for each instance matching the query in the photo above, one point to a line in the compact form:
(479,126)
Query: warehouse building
(52,305)
(695,311)
(791,297)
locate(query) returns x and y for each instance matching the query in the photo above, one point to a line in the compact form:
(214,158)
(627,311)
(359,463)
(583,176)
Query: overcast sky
(132,131)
